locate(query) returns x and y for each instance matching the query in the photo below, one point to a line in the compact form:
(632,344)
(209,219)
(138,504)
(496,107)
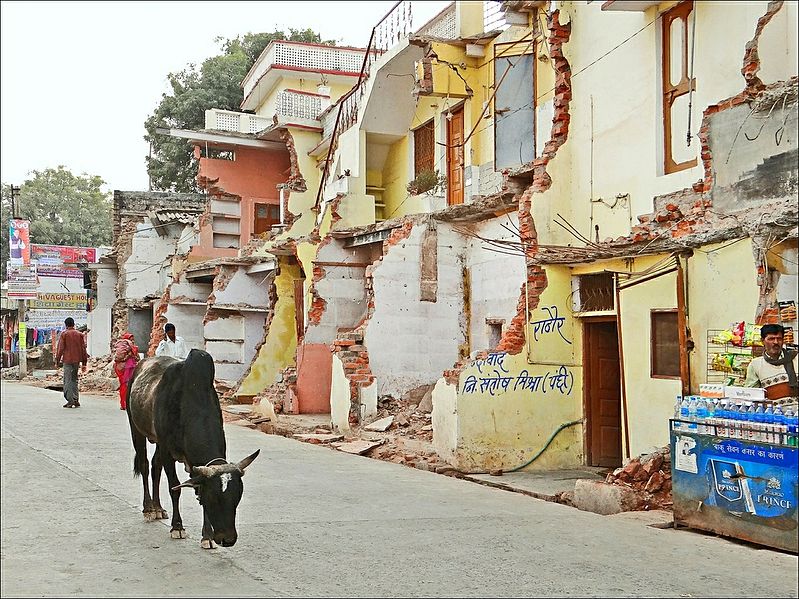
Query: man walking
(173,346)
(71,353)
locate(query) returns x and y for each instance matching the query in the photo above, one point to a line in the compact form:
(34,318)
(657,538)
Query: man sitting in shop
(776,369)
(172,346)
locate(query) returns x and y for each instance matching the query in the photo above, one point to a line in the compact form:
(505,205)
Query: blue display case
(735,487)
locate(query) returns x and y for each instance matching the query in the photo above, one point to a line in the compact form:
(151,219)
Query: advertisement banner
(59,301)
(19,241)
(23,336)
(60,272)
(58,255)
(23,281)
(51,319)
(746,489)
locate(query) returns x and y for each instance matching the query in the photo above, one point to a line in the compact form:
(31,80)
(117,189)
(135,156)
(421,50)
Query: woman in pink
(126,356)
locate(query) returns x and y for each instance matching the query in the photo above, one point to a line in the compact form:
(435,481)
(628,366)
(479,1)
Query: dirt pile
(649,475)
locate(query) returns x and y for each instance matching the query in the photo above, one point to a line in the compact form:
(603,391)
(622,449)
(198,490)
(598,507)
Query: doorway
(266,215)
(140,324)
(455,155)
(602,395)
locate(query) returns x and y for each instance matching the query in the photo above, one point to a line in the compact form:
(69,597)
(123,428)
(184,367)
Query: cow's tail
(139,440)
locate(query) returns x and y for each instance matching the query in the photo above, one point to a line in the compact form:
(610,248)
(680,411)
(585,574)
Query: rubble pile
(649,475)
(98,378)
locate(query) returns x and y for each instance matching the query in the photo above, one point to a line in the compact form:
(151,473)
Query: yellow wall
(395,181)
(277,352)
(508,428)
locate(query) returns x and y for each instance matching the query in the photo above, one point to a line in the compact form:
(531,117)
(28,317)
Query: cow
(173,404)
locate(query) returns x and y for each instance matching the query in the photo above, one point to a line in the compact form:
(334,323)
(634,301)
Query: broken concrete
(381,425)
(602,498)
(358,447)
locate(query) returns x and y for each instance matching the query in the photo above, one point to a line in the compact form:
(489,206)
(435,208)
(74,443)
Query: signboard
(59,301)
(19,241)
(58,255)
(23,281)
(59,272)
(23,336)
(51,319)
(746,489)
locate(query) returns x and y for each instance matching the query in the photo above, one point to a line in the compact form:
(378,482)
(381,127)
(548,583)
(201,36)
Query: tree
(64,209)
(216,84)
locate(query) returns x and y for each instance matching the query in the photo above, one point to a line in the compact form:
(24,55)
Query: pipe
(551,438)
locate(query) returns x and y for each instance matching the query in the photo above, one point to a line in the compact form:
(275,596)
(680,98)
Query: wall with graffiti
(507,406)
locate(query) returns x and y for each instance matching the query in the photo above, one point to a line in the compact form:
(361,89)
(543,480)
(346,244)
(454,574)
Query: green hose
(551,438)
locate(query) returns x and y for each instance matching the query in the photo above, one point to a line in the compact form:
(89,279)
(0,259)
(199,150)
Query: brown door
(266,215)
(455,158)
(603,393)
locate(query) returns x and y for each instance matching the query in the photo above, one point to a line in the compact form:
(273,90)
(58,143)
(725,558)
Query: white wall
(146,266)
(99,319)
(411,342)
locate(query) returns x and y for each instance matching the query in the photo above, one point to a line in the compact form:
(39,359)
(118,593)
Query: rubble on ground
(98,378)
(649,475)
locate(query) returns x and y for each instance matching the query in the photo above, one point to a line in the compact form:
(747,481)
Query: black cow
(173,404)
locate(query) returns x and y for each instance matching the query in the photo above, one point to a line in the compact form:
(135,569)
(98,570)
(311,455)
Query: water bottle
(712,416)
(768,426)
(692,426)
(684,414)
(735,421)
(722,420)
(760,424)
(792,422)
(702,416)
(779,426)
(677,412)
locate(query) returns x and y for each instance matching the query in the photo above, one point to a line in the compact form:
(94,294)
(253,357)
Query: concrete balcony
(338,64)
(238,122)
(296,104)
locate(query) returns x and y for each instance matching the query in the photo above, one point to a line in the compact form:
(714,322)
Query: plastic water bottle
(712,417)
(735,421)
(702,416)
(792,422)
(684,414)
(768,426)
(677,412)
(692,427)
(779,426)
(722,416)
(760,424)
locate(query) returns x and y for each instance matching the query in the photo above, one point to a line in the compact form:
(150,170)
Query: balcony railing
(311,57)
(240,122)
(296,104)
(443,25)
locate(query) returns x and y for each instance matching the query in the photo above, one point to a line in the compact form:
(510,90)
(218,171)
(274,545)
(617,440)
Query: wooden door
(299,308)
(603,393)
(266,215)
(455,158)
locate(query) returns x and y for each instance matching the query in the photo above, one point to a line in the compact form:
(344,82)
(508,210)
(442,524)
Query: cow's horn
(192,482)
(247,461)
(206,471)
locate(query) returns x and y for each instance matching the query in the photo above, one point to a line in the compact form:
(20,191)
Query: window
(514,106)
(665,349)
(676,87)
(424,148)
(593,293)
(217,153)
(266,215)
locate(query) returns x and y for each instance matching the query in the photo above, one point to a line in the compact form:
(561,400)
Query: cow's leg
(141,468)
(208,532)
(177,532)
(159,513)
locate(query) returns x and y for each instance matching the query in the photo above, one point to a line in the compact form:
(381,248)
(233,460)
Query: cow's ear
(247,461)
(192,482)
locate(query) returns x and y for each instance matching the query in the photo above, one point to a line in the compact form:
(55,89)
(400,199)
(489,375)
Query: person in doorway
(173,345)
(71,353)
(126,356)
(776,369)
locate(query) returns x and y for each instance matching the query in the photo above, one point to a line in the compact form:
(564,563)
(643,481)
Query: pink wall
(253,176)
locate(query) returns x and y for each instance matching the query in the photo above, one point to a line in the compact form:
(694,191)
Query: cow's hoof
(178,533)
(153,515)
(162,515)
(207,544)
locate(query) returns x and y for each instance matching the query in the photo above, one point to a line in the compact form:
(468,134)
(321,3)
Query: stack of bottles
(736,419)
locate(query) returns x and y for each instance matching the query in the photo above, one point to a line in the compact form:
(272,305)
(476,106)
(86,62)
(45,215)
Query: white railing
(493,16)
(291,103)
(240,122)
(313,57)
(444,25)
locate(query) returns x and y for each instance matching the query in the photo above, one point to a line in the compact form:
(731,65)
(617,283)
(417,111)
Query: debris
(318,438)
(426,405)
(359,447)
(260,420)
(381,425)
(238,409)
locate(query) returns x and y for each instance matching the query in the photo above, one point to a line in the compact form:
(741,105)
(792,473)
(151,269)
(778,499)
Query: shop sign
(60,272)
(60,301)
(23,282)
(57,255)
(49,319)
(19,241)
(23,336)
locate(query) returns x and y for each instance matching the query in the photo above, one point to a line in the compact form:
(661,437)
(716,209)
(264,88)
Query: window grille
(424,148)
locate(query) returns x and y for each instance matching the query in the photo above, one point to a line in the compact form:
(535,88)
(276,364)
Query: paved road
(315,522)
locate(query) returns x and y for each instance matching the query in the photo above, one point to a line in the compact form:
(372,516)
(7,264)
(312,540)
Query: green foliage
(427,181)
(215,84)
(64,209)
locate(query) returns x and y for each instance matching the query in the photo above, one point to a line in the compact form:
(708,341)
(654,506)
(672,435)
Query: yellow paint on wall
(278,351)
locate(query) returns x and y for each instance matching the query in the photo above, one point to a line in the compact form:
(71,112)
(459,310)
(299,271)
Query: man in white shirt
(173,346)
(776,369)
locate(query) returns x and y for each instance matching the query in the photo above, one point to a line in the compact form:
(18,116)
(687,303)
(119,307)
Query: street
(316,522)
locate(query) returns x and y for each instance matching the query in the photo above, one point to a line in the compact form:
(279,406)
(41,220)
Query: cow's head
(218,489)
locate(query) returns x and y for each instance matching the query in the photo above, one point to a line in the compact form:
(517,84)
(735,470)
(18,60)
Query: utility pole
(22,327)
